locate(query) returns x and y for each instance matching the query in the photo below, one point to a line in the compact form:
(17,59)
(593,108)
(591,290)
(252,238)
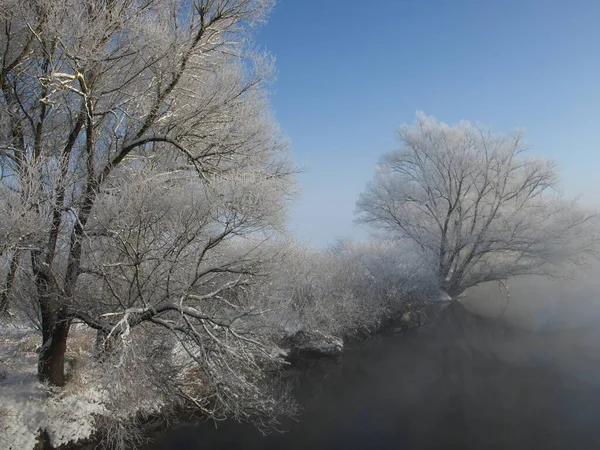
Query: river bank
(37,416)
(465,383)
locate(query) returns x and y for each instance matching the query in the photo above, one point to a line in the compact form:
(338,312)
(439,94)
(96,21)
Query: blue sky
(350,72)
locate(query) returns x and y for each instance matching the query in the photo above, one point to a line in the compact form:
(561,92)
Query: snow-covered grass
(29,407)
(87,404)
(142,377)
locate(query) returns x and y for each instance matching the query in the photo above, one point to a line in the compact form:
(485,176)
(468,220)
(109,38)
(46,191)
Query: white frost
(27,406)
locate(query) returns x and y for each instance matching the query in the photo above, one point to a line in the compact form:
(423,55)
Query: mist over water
(467,382)
(537,302)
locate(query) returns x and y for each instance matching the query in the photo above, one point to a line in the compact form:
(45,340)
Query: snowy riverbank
(31,412)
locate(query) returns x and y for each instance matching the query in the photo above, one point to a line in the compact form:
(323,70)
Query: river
(462,384)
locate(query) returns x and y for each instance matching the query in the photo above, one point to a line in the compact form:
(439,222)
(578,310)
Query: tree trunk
(55,331)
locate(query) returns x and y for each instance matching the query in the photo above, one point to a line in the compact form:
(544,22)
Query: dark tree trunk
(10,279)
(453,289)
(55,331)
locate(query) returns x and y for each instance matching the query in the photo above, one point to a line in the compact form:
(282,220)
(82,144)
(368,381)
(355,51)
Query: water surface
(462,385)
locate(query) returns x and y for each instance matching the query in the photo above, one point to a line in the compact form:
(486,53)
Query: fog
(537,302)
(519,375)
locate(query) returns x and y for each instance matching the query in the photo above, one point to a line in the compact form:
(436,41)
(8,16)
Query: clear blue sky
(350,72)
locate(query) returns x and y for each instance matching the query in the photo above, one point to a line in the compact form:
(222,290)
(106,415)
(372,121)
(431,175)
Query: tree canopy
(474,205)
(141,175)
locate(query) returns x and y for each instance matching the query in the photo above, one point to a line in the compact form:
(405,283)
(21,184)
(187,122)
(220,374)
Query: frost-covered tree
(474,205)
(141,174)
(349,288)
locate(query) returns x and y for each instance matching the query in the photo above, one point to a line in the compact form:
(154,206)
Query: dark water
(445,388)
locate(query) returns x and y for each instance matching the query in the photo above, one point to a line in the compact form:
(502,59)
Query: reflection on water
(465,384)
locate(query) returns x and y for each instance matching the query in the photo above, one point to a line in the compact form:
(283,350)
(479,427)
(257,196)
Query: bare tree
(475,207)
(141,175)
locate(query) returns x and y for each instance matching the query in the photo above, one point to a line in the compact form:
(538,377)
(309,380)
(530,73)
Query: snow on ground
(27,406)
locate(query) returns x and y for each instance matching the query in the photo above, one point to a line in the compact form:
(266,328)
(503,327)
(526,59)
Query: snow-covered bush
(351,287)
